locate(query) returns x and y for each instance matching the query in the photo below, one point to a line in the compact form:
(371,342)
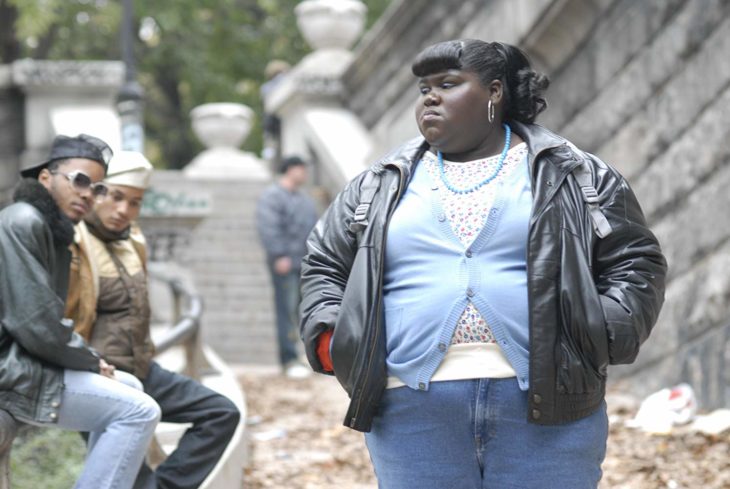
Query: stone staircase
(222,251)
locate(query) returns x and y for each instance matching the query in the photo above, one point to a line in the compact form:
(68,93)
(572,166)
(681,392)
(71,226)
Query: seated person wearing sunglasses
(48,375)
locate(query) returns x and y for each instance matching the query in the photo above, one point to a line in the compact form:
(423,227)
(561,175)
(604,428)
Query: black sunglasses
(81,181)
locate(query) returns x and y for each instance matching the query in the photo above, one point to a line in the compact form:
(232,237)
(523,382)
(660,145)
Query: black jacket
(592,301)
(284,219)
(36,343)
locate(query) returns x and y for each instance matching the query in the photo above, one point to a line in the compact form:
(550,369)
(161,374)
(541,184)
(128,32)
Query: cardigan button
(469,292)
(468,253)
(537,398)
(441,218)
(536,414)
(422,386)
(442,346)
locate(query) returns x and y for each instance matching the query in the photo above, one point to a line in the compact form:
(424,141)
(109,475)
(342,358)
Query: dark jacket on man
(36,343)
(592,301)
(284,220)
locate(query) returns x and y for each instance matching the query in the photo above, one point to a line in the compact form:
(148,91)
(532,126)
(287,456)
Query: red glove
(323,350)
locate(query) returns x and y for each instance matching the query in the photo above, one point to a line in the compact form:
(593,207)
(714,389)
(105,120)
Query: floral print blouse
(468,213)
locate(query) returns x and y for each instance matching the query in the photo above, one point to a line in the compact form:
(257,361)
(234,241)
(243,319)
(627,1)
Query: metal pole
(129,99)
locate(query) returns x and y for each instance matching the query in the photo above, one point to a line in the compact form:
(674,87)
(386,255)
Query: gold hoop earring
(490,112)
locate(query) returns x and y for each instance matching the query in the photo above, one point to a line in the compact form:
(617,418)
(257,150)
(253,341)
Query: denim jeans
(286,300)
(474,434)
(125,378)
(121,421)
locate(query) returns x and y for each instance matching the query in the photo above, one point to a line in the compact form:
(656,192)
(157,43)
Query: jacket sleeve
(269,224)
(630,275)
(331,249)
(32,312)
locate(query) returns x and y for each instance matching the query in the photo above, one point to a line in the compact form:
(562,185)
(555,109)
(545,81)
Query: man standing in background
(285,215)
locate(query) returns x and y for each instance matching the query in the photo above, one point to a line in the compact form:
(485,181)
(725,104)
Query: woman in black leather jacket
(470,289)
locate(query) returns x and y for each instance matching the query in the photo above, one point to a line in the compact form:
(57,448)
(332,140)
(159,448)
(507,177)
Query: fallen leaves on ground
(682,459)
(297,441)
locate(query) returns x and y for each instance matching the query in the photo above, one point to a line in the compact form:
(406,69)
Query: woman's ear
(496,91)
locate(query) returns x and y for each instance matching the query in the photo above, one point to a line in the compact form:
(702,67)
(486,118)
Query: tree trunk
(9,46)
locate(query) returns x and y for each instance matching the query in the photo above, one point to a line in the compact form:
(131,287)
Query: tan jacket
(128,350)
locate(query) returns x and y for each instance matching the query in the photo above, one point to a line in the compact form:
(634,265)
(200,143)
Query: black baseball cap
(81,146)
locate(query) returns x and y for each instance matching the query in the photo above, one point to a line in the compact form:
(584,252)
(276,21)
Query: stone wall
(651,100)
(645,86)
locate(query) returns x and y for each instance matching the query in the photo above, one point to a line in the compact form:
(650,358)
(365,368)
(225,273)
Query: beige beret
(129,168)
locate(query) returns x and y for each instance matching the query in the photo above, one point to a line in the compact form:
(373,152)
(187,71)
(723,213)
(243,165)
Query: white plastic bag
(666,408)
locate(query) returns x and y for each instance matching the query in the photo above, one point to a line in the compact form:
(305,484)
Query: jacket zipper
(353,419)
(533,219)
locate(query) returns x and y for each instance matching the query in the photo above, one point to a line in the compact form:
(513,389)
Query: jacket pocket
(583,337)
(575,375)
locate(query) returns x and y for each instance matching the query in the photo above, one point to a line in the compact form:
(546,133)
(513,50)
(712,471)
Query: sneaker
(297,371)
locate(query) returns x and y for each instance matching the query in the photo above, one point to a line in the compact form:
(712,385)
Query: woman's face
(452,111)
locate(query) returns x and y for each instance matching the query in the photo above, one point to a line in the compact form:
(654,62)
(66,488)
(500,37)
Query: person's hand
(282,265)
(323,350)
(105,369)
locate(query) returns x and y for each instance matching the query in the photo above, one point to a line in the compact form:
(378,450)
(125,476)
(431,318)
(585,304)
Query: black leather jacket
(592,301)
(36,343)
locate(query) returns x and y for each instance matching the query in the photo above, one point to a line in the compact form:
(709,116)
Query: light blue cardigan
(430,276)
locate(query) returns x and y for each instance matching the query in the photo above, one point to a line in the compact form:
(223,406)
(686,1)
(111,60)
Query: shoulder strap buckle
(590,195)
(584,177)
(369,188)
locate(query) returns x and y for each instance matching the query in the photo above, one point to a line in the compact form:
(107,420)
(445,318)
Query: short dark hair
(289,162)
(523,87)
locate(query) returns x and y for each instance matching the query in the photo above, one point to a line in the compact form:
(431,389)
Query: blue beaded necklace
(442,173)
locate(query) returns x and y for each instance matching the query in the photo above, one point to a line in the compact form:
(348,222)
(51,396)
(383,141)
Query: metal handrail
(188,323)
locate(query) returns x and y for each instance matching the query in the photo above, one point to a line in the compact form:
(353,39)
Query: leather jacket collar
(32,192)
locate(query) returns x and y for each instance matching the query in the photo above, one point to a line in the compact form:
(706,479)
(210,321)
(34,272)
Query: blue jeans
(474,434)
(286,300)
(120,419)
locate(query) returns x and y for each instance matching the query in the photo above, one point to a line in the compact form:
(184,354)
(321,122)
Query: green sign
(159,203)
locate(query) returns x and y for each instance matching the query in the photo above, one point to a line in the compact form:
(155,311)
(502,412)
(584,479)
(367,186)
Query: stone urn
(331,24)
(222,124)
(223,127)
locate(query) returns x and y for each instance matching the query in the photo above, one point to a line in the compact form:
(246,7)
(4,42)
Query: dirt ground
(297,441)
